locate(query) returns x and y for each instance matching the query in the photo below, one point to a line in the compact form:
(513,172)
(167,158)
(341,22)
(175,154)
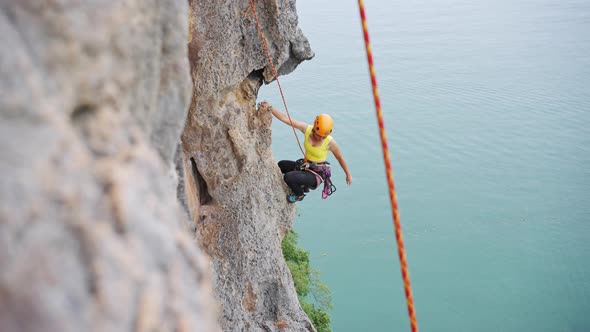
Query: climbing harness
(329,187)
(389,172)
(322,172)
(274,72)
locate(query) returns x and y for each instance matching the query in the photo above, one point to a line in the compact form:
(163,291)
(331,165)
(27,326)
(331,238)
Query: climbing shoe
(292,198)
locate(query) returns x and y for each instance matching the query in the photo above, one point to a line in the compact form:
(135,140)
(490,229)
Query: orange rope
(274,72)
(393,198)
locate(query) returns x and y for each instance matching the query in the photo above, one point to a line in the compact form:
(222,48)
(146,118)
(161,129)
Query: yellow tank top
(316,153)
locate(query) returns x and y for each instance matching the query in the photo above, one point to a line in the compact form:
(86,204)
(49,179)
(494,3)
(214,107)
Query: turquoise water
(487,109)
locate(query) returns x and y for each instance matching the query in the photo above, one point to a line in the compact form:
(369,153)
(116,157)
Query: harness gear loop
(323,173)
(274,72)
(389,172)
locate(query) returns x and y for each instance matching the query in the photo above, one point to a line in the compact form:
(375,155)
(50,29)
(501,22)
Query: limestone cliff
(234,190)
(95,97)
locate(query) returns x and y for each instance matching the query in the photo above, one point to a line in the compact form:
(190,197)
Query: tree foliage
(307,283)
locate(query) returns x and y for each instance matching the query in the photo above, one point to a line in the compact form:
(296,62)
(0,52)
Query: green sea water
(487,110)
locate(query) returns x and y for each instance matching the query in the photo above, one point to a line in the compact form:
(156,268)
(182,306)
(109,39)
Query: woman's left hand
(264,105)
(349,179)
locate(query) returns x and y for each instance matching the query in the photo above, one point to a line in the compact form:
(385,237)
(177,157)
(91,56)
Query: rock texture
(234,191)
(93,98)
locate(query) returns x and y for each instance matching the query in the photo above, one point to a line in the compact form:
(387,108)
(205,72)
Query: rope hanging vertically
(274,72)
(389,171)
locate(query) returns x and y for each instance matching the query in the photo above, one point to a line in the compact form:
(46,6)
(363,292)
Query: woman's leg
(287,166)
(299,180)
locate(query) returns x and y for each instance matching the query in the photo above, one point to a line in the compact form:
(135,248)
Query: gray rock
(234,190)
(93,97)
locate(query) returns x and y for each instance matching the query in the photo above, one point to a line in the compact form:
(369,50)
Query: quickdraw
(322,172)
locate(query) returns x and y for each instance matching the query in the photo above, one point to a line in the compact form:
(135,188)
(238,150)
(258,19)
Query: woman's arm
(336,151)
(302,126)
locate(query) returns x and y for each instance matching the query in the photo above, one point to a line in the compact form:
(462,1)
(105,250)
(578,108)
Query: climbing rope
(393,199)
(274,72)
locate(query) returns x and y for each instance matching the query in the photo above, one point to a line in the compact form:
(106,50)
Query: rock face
(234,191)
(93,98)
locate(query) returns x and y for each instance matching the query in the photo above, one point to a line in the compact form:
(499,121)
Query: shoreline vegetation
(314,296)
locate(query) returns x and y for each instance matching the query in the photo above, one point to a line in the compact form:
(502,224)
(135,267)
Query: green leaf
(307,282)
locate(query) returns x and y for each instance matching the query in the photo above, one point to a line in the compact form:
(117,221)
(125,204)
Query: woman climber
(310,172)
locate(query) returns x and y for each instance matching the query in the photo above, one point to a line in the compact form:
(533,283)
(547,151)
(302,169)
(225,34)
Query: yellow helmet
(323,125)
